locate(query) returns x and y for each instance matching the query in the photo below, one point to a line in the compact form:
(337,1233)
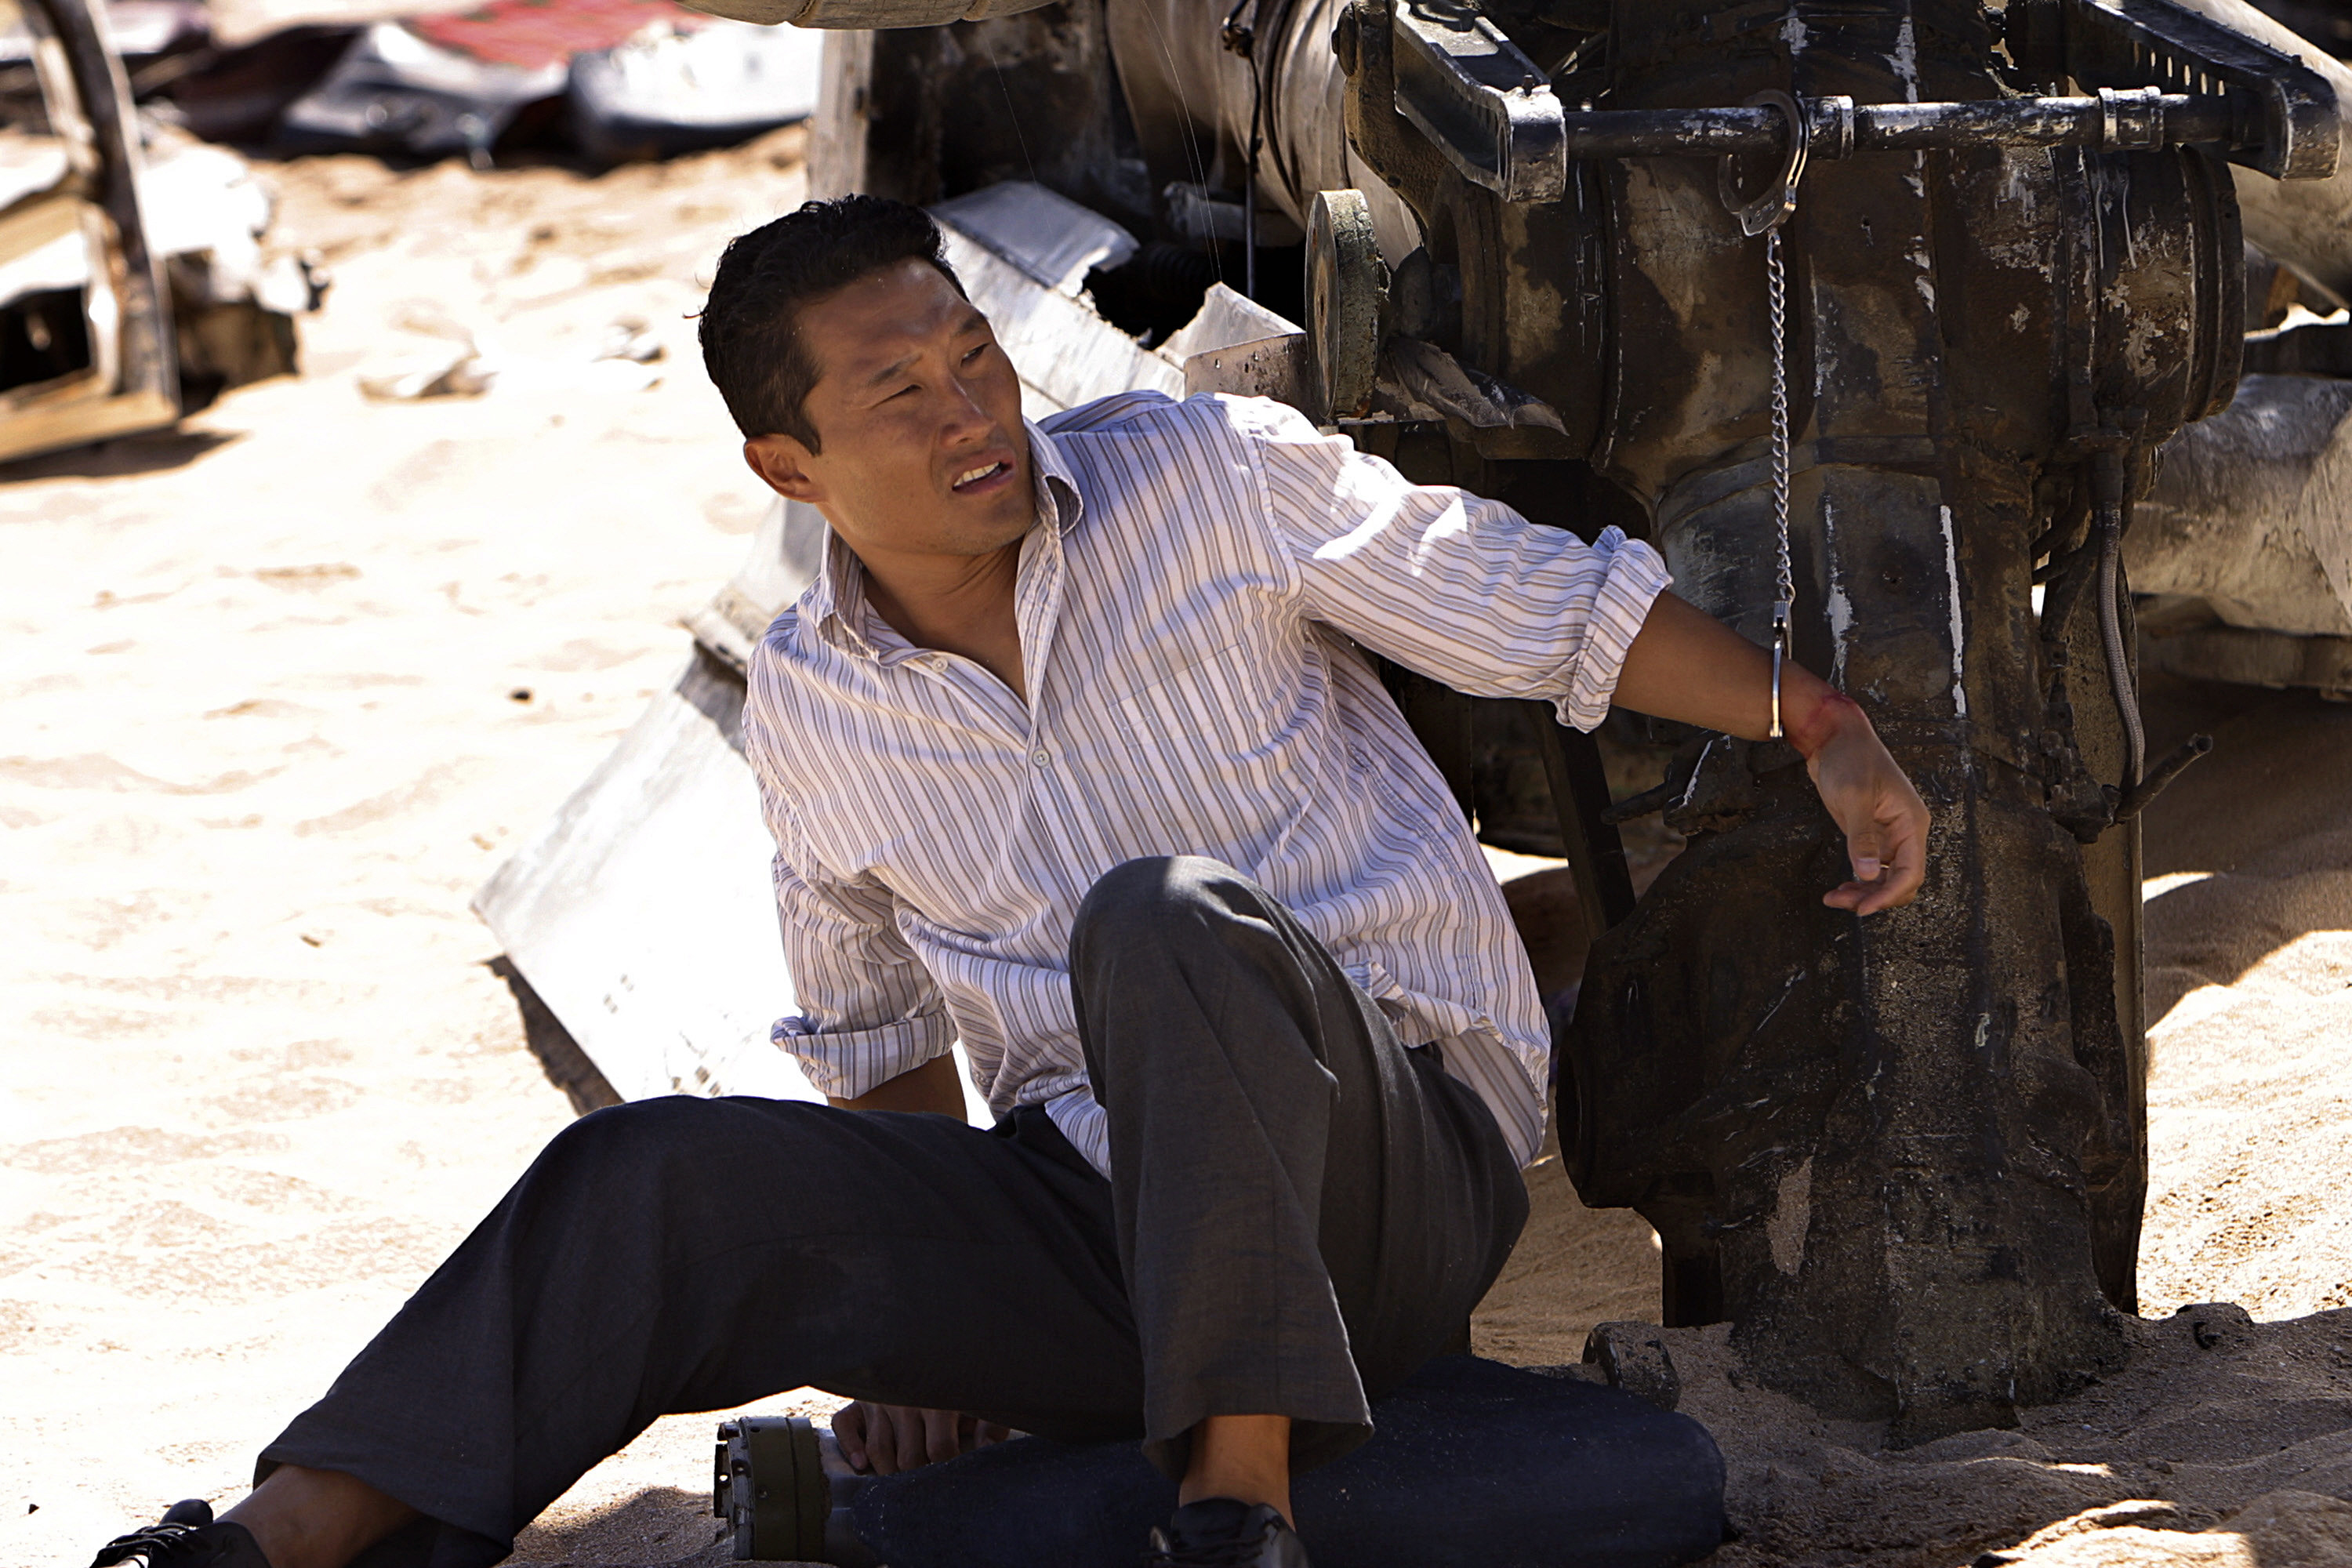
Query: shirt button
(1039,757)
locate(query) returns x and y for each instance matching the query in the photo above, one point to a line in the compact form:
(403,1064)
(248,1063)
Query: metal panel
(1066,354)
(642,913)
(1043,233)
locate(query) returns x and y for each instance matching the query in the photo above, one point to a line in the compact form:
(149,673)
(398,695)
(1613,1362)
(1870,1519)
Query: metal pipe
(2138,798)
(2307,224)
(2130,120)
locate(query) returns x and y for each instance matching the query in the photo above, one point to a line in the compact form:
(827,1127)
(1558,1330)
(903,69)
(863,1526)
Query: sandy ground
(281,691)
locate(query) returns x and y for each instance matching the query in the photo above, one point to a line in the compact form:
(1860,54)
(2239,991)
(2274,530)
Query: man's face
(919,415)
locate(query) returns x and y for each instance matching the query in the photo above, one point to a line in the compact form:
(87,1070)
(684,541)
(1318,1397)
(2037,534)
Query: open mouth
(973,478)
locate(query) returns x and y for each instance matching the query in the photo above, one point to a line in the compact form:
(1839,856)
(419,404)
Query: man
(1070,753)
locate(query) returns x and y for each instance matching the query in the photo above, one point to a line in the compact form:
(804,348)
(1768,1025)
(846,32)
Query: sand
(281,691)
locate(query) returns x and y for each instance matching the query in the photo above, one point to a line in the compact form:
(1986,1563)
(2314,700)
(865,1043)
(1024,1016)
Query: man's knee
(1159,899)
(628,1142)
(643,1145)
(1155,931)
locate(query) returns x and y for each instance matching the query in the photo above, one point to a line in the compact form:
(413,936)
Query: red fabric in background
(535,33)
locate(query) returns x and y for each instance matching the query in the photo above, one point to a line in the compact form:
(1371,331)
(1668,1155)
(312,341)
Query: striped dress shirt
(1192,608)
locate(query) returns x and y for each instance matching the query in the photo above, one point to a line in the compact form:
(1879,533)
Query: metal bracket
(1839,128)
(2138,43)
(2131,119)
(1282,367)
(1485,106)
(2163,74)
(1829,126)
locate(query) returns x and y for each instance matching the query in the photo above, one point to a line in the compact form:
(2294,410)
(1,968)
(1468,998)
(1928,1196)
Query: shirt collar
(1057,485)
(836,602)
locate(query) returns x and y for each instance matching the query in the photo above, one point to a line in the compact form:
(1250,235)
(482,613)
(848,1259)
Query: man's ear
(783,465)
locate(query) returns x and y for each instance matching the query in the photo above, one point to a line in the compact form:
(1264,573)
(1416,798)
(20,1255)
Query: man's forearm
(934,1087)
(1688,666)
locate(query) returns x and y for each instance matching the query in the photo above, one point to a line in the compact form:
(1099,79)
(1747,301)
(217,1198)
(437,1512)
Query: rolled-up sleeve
(1461,589)
(869,1009)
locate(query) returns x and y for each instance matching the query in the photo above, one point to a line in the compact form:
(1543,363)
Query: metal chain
(1776,293)
(1763,214)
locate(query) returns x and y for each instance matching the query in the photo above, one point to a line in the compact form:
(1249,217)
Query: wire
(1184,107)
(1014,113)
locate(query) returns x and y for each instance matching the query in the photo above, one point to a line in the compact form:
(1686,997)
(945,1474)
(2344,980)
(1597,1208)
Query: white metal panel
(642,911)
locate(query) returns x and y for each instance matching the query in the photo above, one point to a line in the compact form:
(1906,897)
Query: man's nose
(965,416)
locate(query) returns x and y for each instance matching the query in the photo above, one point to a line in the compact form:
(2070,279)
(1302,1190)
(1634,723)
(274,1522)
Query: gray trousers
(1300,1213)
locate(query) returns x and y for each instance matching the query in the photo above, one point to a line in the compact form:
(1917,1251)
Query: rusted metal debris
(1905,1157)
(129,381)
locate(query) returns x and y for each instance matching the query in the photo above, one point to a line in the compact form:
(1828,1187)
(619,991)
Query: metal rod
(1580,794)
(1242,41)
(2155,120)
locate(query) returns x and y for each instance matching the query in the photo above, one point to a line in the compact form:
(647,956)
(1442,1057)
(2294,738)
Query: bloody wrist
(1829,715)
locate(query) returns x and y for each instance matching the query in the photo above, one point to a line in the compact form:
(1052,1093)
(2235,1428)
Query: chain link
(1784,583)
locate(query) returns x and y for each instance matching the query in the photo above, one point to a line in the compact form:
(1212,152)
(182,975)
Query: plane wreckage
(1912,333)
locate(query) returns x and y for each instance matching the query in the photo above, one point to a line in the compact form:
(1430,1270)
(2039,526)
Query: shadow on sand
(660,1527)
(148,454)
(2258,833)
(567,1067)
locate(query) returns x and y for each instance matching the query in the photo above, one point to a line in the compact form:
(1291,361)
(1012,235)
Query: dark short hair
(750,326)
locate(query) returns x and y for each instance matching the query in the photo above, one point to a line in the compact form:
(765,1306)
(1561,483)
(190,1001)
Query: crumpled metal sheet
(1434,384)
(1043,233)
(642,912)
(398,90)
(677,90)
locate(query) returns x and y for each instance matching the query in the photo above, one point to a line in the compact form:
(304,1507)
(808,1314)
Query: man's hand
(1686,664)
(882,1439)
(1866,792)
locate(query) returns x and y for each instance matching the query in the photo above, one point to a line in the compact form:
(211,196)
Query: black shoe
(185,1537)
(1219,1533)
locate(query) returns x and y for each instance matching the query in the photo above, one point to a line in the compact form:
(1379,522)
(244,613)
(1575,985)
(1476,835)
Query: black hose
(2107,488)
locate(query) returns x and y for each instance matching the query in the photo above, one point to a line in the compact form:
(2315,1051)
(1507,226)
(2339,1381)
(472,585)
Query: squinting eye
(975,353)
